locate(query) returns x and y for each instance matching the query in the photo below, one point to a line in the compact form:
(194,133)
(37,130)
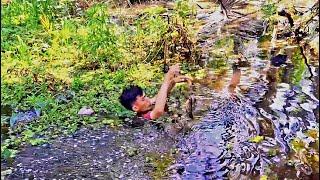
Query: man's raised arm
(162,95)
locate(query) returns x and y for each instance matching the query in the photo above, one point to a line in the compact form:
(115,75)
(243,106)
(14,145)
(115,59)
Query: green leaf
(272,152)
(8,153)
(37,141)
(108,121)
(297,144)
(268,10)
(263,177)
(256,139)
(28,133)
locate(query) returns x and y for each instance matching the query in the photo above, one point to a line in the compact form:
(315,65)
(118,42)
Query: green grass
(58,59)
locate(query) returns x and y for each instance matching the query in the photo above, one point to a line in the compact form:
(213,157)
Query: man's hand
(170,79)
(173,72)
(175,69)
(181,78)
(172,83)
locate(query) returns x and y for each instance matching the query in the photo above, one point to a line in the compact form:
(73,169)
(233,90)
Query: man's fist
(175,69)
(173,72)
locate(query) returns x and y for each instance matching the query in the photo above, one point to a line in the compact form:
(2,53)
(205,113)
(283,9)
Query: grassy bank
(59,56)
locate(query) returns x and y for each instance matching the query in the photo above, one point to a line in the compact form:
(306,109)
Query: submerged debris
(278,60)
(24,117)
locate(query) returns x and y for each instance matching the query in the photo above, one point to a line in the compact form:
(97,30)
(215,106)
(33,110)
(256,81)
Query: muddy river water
(266,131)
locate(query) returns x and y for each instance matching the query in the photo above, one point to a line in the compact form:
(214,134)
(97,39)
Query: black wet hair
(129,95)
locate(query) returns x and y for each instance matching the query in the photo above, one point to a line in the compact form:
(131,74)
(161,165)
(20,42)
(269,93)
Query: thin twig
(306,61)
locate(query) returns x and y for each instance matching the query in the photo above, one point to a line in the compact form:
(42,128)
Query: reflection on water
(270,128)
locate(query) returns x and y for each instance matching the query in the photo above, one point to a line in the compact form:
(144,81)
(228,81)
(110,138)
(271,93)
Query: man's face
(142,104)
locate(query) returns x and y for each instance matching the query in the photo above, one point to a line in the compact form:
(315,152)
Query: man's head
(134,99)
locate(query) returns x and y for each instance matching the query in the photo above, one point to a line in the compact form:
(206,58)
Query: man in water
(133,97)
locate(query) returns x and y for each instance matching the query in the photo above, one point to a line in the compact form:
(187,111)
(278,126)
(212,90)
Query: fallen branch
(306,61)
